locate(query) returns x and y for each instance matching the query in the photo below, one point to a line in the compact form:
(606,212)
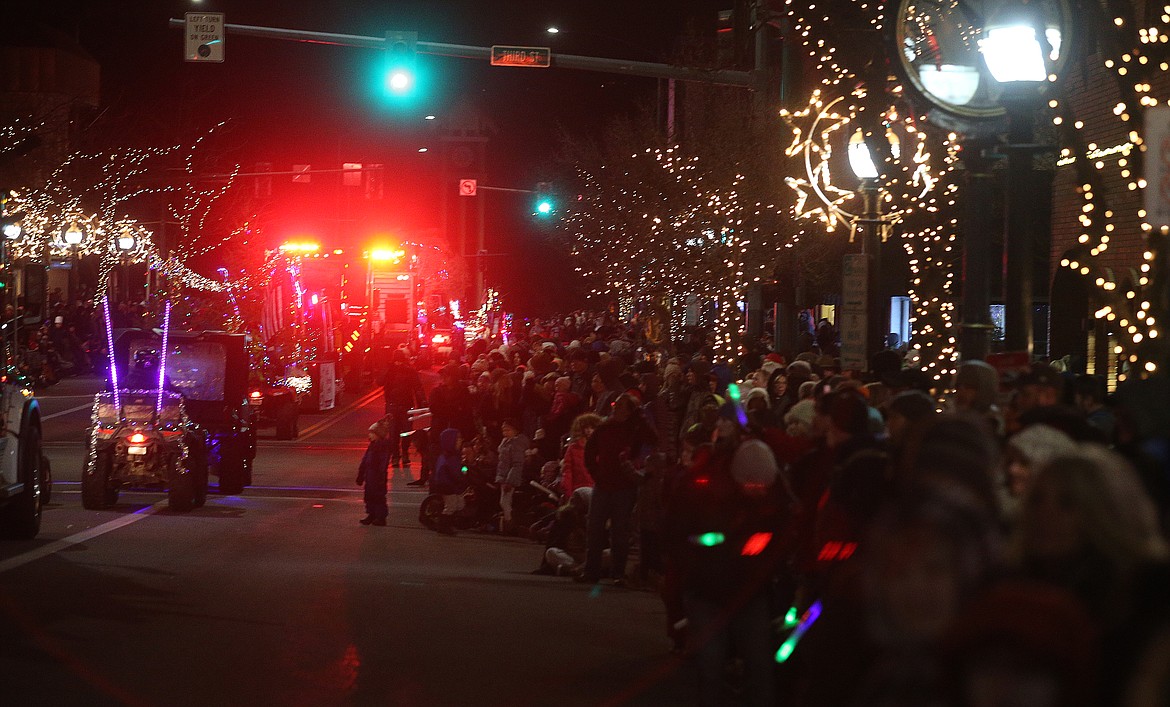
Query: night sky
(295,103)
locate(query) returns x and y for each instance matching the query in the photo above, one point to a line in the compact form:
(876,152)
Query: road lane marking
(87,406)
(334,419)
(78,538)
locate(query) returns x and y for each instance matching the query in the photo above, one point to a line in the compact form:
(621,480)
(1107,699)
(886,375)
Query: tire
(286,422)
(231,474)
(430,510)
(96,493)
(46,480)
(21,518)
(181,491)
(199,497)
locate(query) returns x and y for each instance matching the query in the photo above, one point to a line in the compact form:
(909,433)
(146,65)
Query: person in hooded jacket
(449,479)
(372,471)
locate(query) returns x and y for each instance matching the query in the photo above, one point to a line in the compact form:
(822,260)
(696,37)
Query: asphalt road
(280,597)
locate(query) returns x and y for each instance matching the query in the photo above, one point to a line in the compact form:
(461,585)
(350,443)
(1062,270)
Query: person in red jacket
(574,475)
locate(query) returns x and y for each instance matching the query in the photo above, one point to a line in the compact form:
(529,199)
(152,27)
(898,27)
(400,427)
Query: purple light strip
(162,366)
(113,361)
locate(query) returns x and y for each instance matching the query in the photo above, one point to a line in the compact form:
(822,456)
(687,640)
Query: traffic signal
(399,76)
(545,204)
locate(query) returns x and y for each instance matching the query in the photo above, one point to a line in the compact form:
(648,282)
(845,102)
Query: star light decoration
(1109,181)
(667,226)
(918,190)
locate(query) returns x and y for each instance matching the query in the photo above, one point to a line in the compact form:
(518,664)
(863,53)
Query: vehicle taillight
(137,438)
(105,432)
(255,394)
(438,339)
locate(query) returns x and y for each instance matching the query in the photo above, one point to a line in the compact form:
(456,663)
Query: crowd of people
(821,537)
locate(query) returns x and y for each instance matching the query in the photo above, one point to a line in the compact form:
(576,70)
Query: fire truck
(391,295)
(299,330)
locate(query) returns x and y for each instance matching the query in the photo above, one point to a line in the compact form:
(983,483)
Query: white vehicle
(25,480)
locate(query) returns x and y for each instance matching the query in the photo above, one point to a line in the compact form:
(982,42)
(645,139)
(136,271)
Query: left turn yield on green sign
(203,37)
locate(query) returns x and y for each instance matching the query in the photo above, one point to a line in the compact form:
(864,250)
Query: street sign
(467,187)
(854,317)
(538,57)
(204,37)
(855,274)
(852,325)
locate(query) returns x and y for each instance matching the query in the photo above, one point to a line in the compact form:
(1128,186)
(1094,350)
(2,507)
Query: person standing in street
(510,467)
(612,456)
(451,407)
(402,390)
(372,471)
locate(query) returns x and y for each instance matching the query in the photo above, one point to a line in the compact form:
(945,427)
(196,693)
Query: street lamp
(873,224)
(958,62)
(1020,50)
(126,243)
(73,236)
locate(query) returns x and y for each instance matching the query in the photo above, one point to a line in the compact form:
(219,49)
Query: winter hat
(912,405)
(757,393)
(381,428)
(801,413)
(769,367)
(1029,628)
(800,364)
(754,466)
(1039,443)
(672,369)
(983,378)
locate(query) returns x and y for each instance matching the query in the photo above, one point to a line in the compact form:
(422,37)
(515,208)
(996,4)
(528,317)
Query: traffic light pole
(716,77)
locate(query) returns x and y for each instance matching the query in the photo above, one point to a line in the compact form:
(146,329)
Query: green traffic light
(399,81)
(544,207)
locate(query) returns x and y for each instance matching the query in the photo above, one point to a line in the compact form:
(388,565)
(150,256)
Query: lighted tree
(664,222)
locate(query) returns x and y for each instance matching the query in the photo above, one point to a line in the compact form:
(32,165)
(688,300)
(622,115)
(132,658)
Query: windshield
(197,370)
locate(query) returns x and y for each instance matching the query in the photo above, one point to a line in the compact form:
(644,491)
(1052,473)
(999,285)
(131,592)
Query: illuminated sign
(536,57)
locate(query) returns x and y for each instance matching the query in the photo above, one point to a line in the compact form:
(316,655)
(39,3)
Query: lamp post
(948,54)
(126,243)
(73,237)
(1019,49)
(873,225)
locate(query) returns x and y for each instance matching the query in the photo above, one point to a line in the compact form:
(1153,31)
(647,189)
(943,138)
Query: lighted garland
(1140,64)
(92,193)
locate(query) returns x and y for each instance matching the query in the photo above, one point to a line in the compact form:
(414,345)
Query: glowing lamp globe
(74,235)
(1012,45)
(861,162)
